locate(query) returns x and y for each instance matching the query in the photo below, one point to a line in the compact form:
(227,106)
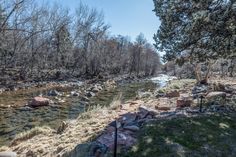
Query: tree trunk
(197,72)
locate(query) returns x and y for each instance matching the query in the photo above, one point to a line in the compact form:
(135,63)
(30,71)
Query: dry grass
(30,134)
(177,85)
(89,125)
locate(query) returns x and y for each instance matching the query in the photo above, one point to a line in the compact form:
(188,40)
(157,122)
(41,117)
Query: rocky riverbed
(133,105)
(21,112)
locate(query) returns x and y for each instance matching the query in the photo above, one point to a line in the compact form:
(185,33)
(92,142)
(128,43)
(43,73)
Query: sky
(126,17)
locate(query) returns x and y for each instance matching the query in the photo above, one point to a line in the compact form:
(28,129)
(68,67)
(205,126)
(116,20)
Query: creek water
(19,119)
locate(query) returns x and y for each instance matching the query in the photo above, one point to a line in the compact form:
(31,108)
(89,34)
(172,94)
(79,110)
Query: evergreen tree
(196,30)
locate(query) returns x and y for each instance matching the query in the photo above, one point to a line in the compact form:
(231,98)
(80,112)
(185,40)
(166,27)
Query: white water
(163,79)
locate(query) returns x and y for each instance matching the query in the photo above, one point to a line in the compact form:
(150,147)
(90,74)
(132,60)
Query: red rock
(184,103)
(39,101)
(173,94)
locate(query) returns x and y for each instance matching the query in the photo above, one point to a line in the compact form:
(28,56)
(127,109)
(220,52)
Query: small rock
(84,98)
(39,101)
(173,94)
(214,95)
(90,94)
(162,108)
(144,94)
(183,103)
(127,118)
(25,108)
(200,89)
(31,153)
(74,93)
(144,112)
(96,89)
(4,106)
(132,128)
(54,93)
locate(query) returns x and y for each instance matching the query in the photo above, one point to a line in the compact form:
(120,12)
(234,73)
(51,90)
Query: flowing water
(19,119)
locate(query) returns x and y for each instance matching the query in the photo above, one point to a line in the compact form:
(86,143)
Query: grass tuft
(31,133)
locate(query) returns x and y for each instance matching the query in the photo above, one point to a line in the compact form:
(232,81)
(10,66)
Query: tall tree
(196,31)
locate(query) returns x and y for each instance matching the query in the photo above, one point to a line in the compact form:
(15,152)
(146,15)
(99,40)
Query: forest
(49,42)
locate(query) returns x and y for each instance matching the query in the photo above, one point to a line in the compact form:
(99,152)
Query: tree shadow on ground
(211,136)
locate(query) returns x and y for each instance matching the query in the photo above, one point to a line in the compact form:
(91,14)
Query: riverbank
(149,107)
(67,100)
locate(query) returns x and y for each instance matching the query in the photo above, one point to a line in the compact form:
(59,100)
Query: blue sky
(126,17)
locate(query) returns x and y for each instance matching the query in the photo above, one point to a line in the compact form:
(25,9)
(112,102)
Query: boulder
(180,103)
(200,89)
(215,95)
(173,94)
(127,118)
(39,101)
(123,139)
(144,112)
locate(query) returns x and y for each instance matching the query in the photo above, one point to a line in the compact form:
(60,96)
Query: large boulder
(39,101)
